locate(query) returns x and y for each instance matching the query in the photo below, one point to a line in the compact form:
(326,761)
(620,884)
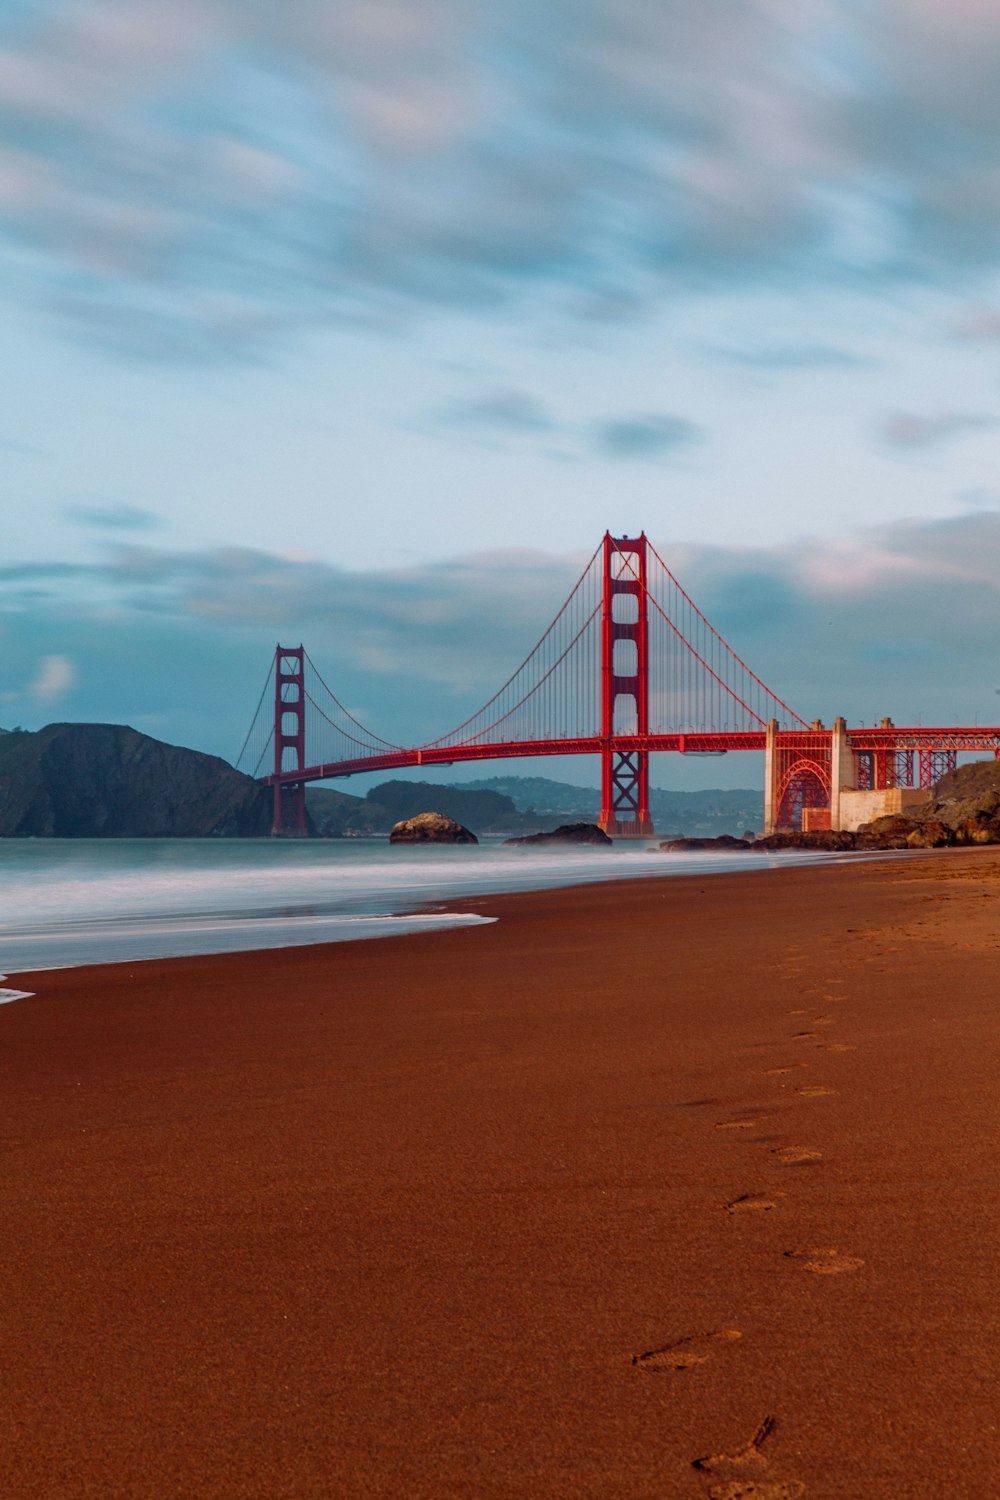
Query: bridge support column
(771,778)
(289,735)
(624,687)
(843,769)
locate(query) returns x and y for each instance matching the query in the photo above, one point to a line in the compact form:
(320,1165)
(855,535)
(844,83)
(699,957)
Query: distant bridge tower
(290,736)
(624,688)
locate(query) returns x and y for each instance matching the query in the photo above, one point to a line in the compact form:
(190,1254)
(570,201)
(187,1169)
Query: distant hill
(110,781)
(524,804)
(336,813)
(713,811)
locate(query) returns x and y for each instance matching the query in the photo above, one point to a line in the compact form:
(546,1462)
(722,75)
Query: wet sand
(679,1188)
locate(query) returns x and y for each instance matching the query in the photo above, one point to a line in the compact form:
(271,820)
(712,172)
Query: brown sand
(678,1188)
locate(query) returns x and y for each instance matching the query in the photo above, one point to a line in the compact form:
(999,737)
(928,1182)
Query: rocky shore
(963,809)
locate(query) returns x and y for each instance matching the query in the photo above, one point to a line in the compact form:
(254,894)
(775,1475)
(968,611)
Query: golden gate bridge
(628,667)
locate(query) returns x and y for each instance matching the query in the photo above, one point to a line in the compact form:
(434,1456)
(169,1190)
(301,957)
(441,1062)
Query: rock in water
(723,841)
(569,833)
(431,828)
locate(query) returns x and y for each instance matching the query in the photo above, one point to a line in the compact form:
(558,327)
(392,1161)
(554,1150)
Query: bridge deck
(880,738)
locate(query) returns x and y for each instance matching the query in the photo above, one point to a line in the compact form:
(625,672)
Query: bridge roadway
(879,739)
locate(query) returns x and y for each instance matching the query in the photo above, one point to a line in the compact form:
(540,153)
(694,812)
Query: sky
(357,324)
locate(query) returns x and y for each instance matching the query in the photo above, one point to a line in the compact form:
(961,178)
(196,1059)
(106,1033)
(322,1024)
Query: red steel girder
(985,739)
(683,744)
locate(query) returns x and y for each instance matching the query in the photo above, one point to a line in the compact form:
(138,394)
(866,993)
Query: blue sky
(358,324)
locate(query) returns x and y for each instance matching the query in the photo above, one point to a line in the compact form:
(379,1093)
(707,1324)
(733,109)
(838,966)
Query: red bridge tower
(289,734)
(624,688)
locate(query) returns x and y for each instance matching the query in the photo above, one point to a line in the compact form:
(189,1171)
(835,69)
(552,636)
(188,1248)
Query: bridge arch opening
(806,783)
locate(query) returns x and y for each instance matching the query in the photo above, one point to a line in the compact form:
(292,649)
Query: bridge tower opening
(289,735)
(624,689)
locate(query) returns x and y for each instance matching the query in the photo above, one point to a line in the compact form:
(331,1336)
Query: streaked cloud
(979,324)
(646,435)
(194,181)
(911,430)
(504,411)
(779,357)
(518,414)
(111,517)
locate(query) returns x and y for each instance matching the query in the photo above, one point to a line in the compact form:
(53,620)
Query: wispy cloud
(56,675)
(648,435)
(517,414)
(979,324)
(908,430)
(111,517)
(779,357)
(504,411)
(192,181)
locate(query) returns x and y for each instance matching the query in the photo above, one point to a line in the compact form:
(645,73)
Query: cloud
(793,357)
(56,675)
(906,430)
(117,517)
(979,324)
(515,413)
(505,410)
(648,435)
(194,182)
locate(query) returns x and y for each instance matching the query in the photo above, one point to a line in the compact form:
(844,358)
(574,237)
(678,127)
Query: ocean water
(65,902)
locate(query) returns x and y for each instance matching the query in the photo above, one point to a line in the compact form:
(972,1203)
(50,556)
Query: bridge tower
(624,688)
(289,734)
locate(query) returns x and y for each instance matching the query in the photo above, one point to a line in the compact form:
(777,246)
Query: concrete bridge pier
(843,769)
(771,777)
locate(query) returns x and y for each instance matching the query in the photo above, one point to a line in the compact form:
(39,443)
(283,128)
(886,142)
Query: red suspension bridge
(629,667)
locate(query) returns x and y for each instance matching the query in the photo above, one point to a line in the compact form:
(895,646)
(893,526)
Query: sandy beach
(668,1188)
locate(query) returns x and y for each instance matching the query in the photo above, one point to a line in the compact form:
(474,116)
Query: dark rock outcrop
(431,828)
(568,833)
(110,781)
(820,838)
(723,841)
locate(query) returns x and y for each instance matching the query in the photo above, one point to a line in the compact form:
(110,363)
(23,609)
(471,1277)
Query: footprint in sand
(746,1474)
(757,1489)
(824,1260)
(752,1203)
(685,1354)
(815,1091)
(793,1156)
(768,1072)
(801,1035)
(741,1122)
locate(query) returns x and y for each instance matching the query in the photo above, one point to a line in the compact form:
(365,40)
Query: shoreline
(557,1207)
(400,914)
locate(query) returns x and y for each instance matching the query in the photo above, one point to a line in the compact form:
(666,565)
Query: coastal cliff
(110,781)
